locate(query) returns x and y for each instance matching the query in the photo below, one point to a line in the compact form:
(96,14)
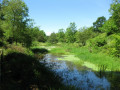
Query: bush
(39,50)
(98,41)
(113,44)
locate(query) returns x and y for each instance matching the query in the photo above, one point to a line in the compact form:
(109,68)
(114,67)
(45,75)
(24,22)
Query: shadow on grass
(39,50)
(23,72)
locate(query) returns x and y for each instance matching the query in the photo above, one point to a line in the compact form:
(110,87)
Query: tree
(99,23)
(61,35)
(15,13)
(84,34)
(1,30)
(109,27)
(115,12)
(42,36)
(70,33)
(53,38)
(35,32)
(112,26)
(27,37)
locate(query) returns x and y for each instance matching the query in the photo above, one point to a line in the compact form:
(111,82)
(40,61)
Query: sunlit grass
(91,60)
(98,59)
(58,51)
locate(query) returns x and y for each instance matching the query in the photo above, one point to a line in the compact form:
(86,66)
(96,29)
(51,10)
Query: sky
(52,15)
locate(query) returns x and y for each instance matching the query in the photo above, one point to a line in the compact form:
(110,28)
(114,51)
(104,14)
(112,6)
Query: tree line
(103,35)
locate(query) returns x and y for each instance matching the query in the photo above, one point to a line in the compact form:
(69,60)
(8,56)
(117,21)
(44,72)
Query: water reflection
(80,77)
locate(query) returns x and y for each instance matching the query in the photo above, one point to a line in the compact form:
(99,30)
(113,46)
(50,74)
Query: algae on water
(76,60)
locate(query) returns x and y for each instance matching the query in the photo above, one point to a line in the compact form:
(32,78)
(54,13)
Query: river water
(80,77)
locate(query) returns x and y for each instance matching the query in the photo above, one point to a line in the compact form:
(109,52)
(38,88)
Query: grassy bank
(100,60)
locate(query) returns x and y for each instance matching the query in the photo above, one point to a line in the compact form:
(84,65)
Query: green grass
(91,60)
(98,59)
(58,51)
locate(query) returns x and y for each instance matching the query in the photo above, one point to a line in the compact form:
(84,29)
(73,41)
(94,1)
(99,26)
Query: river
(80,77)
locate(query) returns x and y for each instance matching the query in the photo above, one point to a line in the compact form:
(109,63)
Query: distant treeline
(103,36)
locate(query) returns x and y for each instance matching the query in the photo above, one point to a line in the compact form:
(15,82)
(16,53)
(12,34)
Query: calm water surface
(81,77)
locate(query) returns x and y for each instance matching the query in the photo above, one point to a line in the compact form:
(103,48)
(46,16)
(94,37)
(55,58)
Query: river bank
(78,66)
(82,55)
(80,77)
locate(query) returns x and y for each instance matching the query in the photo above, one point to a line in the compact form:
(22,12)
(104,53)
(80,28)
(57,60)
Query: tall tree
(42,36)
(109,27)
(1,21)
(61,35)
(99,23)
(16,13)
(115,11)
(53,38)
(84,34)
(70,33)
(35,32)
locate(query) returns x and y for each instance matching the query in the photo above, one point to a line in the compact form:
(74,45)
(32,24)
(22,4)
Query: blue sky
(51,15)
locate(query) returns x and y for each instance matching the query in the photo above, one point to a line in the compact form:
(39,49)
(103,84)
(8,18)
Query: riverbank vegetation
(20,46)
(99,44)
(85,56)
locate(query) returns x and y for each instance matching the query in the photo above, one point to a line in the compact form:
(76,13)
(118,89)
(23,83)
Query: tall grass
(83,53)
(98,59)
(58,51)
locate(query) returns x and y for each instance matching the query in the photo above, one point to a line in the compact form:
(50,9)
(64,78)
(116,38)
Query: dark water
(81,77)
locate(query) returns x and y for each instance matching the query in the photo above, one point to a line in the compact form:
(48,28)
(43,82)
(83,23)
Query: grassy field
(92,60)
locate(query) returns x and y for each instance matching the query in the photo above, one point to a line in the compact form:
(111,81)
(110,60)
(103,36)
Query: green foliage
(106,44)
(113,44)
(13,48)
(15,25)
(1,33)
(42,36)
(83,35)
(38,35)
(52,38)
(99,23)
(115,11)
(35,43)
(109,27)
(58,51)
(70,33)
(97,42)
(35,32)
(15,13)
(61,35)
(92,60)
(39,50)
(23,71)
